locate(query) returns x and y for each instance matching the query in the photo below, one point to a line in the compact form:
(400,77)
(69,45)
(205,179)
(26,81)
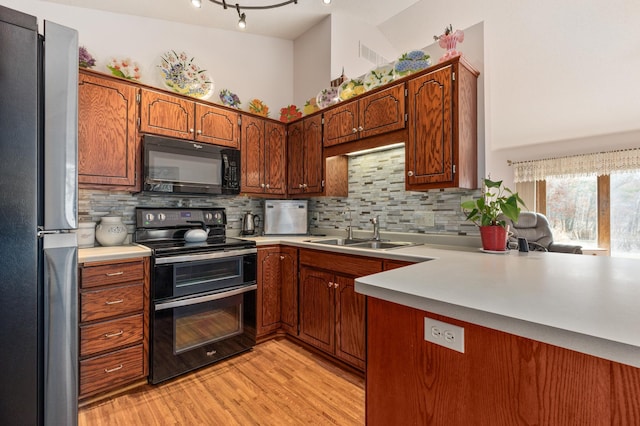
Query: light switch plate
(444,334)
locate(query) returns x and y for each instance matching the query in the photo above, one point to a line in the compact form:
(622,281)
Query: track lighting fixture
(242,23)
(326,1)
(196,3)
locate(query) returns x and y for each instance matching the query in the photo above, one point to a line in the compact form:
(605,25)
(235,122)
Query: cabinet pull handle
(110,335)
(360,128)
(111,370)
(212,353)
(114,274)
(409,173)
(113,302)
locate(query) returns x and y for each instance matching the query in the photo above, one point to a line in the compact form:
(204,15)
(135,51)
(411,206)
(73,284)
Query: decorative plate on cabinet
(380,76)
(230,99)
(411,62)
(124,68)
(351,88)
(327,97)
(182,75)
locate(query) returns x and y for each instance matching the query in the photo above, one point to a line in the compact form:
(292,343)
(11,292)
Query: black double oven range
(203,294)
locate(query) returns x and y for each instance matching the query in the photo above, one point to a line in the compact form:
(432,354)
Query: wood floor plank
(277,383)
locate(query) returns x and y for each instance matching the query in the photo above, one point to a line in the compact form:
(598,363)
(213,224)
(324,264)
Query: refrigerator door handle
(60,127)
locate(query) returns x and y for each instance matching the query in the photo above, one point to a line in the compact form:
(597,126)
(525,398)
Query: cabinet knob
(360,128)
(409,173)
(281,257)
(304,185)
(199,132)
(262,185)
(268,186)
(330,284)
(300,186)
(190,130)
(336,285)
(354,130)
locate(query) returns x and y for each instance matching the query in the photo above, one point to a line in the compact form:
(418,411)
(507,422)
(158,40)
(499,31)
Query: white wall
(312,62)
(250,66)
(559,76)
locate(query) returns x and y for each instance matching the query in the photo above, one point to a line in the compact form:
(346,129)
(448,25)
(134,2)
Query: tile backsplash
(376,187)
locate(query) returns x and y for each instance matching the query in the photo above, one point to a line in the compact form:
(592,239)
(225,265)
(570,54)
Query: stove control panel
(179,217)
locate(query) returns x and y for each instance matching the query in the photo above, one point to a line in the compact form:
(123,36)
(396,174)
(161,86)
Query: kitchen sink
(362,243)
(384,245)
(339,241)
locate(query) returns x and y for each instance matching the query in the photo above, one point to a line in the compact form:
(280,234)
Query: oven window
(212,274)
(208,322)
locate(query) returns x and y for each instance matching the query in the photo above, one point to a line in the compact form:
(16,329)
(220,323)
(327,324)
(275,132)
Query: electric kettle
(250,222)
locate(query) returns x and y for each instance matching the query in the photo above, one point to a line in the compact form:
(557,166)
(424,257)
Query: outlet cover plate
(444,334)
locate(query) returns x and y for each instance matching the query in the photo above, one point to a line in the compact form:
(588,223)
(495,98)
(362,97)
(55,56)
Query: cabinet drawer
(93,276)
(106,371)
(341,263)
(110,335)
(112,301)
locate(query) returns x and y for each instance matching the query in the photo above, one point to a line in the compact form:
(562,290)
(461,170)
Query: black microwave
(174,166)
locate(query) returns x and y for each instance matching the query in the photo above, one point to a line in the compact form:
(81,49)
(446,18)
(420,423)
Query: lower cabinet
(277,290)
(332,314)
(114,324)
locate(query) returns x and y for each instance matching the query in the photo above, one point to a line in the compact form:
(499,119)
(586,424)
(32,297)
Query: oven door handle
(204,256)
(206,298)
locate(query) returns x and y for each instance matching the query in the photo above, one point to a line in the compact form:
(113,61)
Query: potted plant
(488,211)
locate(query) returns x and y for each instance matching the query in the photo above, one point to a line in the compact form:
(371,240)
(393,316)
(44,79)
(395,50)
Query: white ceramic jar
(111,231)
(86,234)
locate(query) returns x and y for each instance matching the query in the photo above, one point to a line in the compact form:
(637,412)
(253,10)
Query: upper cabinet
(263,157)
(173,116)
(305,162)
(370,115)
(107,137)
(441,148)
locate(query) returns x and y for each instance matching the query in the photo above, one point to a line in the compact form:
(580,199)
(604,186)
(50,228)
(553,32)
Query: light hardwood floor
(277,383)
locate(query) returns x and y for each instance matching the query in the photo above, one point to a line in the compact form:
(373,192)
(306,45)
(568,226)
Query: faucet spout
(349,228)
(376,227)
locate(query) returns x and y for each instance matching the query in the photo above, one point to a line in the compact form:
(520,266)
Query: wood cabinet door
(317,308)
(289,289)
(382,112)
(268,294)
(350,322)
(275,157)
(167,115)
(217,126)
(429,149)
(295,158)
(107,137)
(312,160)
(341,124)
(252,155)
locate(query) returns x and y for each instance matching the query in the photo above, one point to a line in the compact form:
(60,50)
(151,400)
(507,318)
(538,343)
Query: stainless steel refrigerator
(38,212)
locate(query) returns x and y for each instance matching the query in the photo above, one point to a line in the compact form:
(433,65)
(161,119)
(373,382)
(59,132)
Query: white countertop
(101,254)
(590,304)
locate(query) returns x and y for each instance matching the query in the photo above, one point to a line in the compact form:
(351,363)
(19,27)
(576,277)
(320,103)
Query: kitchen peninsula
(548,339)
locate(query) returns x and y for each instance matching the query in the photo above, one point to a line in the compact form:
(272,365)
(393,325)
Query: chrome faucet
(376,227)
(349,228)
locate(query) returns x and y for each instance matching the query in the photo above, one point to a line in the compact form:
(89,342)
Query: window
(572,209)
(625,214)
(590,199)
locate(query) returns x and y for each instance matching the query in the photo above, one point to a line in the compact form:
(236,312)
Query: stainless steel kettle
(250,223)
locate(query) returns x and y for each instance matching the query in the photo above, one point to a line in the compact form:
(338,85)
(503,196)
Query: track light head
(196,3)
(242,23)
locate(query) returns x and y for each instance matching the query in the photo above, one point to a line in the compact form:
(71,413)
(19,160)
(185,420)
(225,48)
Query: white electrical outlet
(429,219)
(444,334)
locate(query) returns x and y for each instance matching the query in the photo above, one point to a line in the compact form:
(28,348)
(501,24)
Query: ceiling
(287,22)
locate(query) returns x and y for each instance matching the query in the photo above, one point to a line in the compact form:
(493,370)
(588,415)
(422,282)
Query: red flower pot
(494,237)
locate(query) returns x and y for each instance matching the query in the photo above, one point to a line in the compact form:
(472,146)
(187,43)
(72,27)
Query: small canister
(86,234)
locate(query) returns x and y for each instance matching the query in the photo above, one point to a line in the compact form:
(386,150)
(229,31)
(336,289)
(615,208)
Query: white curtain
(599,163)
